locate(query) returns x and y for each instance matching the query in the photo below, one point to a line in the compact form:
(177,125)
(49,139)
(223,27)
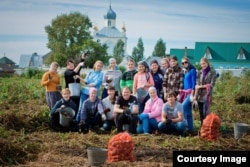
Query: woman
(112,78)
(93,79)
(142,81)
(108,104)
(164,65)
(65,101)
(128,76)
(157,74)
(172,119)
(173,78)
(205,82)
(91,113)
(188,90)
(151,115)
(51,81)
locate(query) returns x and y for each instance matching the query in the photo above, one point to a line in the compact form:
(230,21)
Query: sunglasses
(185,62)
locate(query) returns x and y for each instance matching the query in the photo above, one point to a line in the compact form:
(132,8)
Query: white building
(109,34)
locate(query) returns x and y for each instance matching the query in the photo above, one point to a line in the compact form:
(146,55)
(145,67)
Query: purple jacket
(153,108)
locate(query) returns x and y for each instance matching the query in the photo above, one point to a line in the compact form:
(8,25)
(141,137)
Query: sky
(179,23)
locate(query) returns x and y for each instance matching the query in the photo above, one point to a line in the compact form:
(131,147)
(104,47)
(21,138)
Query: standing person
(205,82)
(112,78)
(126,108)
(173,78)
(108,104)
(172,119)
(188,90)
(142,81)
(151,115)
(65,101)
(93,79)
(91,113)
(128,76)
(164,65)
(72,75)
(51,81)
(157,74)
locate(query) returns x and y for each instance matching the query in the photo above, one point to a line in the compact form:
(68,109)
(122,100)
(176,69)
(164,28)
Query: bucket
(97,156)
(66,116)
(75,89)
(240,129)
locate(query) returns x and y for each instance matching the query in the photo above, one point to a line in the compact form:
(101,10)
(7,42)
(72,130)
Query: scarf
(205,72)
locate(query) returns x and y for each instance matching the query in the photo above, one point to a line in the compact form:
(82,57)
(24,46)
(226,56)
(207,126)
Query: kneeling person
(126,108)
(56,109)
(172,119)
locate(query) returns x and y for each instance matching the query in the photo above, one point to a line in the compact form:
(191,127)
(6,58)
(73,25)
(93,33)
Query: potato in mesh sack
(121,148)
(210,127)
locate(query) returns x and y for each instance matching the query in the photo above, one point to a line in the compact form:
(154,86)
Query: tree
(137,53)
(118,51)
(160,49)
(67,36)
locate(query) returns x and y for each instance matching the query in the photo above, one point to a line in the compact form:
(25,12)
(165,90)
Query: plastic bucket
(97,156)
(240,129)
(66,116)
(75,89)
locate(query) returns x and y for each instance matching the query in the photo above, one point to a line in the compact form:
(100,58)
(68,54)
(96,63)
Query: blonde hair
(97,62)
(204,59)
(65,90)
(53,64)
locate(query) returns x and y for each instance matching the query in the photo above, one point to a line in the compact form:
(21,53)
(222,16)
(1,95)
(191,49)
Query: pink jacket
(154,108)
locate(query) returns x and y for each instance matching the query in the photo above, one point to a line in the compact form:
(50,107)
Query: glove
(104,117)
(143,116)
(81,64)
(107,110)
(168,121)
(127,112)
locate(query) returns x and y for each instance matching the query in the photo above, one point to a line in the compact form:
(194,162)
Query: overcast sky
(179,23)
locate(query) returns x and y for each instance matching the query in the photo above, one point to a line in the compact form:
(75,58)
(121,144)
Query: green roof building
(227,55)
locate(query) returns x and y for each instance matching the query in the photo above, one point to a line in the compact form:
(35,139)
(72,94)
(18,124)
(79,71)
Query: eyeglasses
(185,62)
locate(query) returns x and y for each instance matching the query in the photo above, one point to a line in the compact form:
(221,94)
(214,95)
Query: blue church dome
(111,14)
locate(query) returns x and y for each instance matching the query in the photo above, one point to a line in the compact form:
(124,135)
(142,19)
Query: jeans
(83,97)
(142,105)
(179,127)
(187,108)
(148,125)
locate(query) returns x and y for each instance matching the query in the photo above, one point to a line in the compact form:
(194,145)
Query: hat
(154,61)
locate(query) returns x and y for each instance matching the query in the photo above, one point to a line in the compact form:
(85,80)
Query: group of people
(145,99)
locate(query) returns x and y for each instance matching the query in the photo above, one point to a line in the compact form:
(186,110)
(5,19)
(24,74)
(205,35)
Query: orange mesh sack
(210,129)
(121,148)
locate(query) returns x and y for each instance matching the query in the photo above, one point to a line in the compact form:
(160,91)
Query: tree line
(69,36)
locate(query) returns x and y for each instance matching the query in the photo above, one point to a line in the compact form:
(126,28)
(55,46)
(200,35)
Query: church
(109,34)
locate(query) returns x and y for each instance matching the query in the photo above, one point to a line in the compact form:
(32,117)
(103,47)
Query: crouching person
(61,104)
(108,104)
(91,113)
(172,120)
(126,108)
(151,115)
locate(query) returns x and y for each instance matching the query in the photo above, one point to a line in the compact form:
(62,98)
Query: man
(126,108)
